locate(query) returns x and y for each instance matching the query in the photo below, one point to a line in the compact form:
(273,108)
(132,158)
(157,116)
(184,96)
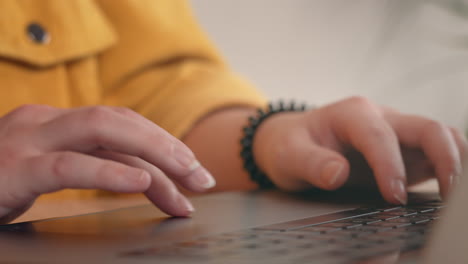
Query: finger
(191,183)
(301,163)
(9,214)
(33,114)
(60,170)
(102,128)
(129,113)
(162,191)
(435,140)
(362,126)
(418,167)
(461,141)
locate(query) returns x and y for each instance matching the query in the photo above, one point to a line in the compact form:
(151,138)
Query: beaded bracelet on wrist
(256,174)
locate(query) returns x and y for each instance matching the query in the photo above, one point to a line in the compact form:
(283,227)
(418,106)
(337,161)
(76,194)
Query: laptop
(254,227)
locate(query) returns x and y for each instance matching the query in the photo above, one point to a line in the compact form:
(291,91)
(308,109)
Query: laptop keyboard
(342,237)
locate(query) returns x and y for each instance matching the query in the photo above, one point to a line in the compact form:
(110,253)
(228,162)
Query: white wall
(409,54)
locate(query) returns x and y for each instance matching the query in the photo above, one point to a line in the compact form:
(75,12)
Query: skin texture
(102,148)
(116,149)
(332,146)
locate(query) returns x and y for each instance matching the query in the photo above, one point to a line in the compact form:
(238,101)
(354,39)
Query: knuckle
(363,104)
(27,112)
(27,109)
(9,154)
(95,119)
(125,111)
(164,143)
(360,101)
(432,126)
(60,167)
(22,118)
(457,134)
(109,174)
(379,132)
(97,115)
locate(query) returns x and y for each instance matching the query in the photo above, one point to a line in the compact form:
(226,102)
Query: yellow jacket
(148,55)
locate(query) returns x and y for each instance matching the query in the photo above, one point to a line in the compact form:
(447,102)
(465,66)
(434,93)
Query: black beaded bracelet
(256,174)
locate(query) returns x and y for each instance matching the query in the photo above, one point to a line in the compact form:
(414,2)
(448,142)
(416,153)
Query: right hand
(355,142)
(45,149)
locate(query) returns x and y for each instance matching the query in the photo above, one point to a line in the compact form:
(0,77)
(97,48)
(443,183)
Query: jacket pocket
(48,32)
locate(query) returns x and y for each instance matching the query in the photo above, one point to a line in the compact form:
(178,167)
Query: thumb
(305,164)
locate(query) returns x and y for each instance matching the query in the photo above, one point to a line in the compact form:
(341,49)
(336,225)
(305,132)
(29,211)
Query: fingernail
(185,157)
(453,181)
(399,191)
(331,172)
(185,204)
(203,178)
(456,179)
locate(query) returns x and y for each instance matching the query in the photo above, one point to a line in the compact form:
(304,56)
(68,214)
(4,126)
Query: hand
(314,148)
(45,149)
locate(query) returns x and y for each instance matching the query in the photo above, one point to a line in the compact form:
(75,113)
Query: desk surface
(43,209)
(49,208)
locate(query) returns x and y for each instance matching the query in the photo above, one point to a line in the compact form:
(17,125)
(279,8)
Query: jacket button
(37,33)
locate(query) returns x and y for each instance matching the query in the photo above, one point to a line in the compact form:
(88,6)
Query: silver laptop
(254,227)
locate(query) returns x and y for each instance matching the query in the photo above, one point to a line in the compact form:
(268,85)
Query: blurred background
(408,54)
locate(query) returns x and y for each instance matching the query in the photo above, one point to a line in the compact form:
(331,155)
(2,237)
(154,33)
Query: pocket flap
(74,28)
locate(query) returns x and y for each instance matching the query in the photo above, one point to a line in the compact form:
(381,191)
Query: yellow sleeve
(159,63)
(164,67)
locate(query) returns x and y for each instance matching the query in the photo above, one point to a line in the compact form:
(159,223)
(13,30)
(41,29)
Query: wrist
(265,138)
(261,137)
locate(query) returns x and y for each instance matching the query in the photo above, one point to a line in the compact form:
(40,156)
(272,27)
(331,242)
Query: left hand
(313,148)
